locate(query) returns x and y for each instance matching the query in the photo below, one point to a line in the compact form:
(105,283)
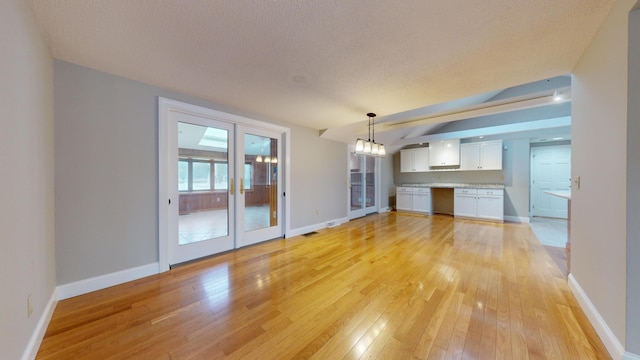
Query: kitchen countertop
(559,193)
(457,185)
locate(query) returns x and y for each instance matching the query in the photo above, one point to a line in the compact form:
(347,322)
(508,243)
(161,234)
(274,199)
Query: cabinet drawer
(425,191)
(465,191)
(404,189)
(491,192)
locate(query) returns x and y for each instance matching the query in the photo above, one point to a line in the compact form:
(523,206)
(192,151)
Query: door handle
(232,188)
(241,186)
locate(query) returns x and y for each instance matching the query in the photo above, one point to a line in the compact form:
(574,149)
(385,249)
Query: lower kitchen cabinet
(491,204)
(465,202)
(413,199)
(487,204)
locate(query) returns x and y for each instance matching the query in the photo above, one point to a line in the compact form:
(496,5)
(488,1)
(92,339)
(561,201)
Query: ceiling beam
(489,130)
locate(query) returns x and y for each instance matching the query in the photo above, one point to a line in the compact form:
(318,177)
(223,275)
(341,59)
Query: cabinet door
(469,157)
(421,159)
(464,205)
(406,161)
(491,155)
(436,153)
(444,153)
(422,203)
(451,152)
(404,201)
(491,207)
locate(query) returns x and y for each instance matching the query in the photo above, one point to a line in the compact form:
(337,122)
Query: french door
(363,185)
(201,178)
(223,183)
(259,209)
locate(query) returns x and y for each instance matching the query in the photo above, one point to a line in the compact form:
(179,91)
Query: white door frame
(353,214)
(165,201)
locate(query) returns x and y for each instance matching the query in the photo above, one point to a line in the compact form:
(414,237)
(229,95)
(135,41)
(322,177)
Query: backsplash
(449,176)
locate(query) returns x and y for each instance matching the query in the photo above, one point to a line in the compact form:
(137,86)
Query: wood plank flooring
(388,286)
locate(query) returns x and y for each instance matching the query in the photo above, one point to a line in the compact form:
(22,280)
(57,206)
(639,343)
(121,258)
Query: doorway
(222,178)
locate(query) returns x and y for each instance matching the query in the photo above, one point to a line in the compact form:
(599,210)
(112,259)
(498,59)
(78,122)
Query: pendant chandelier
(370,147)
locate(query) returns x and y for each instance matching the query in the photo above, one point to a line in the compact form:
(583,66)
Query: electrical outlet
(29,305)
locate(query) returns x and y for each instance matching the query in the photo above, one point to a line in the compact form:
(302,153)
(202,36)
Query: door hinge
(169,201)
(284,194)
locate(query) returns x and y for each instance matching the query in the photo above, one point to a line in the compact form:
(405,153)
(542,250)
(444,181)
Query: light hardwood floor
(388,286)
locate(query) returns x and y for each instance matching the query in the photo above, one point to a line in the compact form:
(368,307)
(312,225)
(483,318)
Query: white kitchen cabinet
(413,199)
(444,153)
(422,200)
(491,204)
(414,160)
(465,202)
(485,155)
(404,200)
(487,204)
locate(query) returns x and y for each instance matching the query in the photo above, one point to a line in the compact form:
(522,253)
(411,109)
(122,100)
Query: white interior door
(259,196)
(550,171)
(201,178)
(363,185)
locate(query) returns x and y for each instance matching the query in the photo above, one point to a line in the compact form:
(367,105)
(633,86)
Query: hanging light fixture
(370,147)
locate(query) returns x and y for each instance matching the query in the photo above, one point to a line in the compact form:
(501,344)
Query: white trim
(630,356)
(384,210)
(315,227)
(85,286)
(517,219)
(613,345)
(33,346)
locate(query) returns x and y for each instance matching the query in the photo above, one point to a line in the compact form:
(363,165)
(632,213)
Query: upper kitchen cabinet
(444,153)
(485,155)
(414,160)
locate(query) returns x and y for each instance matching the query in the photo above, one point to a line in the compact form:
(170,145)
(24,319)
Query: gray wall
(26,172)
(599,158)
(514,175)
(106,172)
(633,179)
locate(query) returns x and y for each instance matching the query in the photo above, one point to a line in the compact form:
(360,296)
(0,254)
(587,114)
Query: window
(221,175)
(196,175)
(248,173)
(183,175)
(201,175)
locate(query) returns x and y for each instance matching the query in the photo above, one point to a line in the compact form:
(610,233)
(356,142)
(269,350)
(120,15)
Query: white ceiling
(325,64)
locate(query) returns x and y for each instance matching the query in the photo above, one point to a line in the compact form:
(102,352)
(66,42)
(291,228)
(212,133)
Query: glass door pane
(356,181)
(203,184)
(259,205)
(363,173)
(370,181)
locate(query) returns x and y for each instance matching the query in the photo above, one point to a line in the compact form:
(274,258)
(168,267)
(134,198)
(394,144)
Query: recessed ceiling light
(558,138)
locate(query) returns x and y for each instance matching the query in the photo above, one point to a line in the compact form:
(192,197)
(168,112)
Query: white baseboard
(315,227)
(104,281)
(611,342)
(630,356)
(38,334)
(516,219)
(384,210)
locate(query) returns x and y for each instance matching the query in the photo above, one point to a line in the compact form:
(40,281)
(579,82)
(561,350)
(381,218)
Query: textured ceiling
(324,64)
